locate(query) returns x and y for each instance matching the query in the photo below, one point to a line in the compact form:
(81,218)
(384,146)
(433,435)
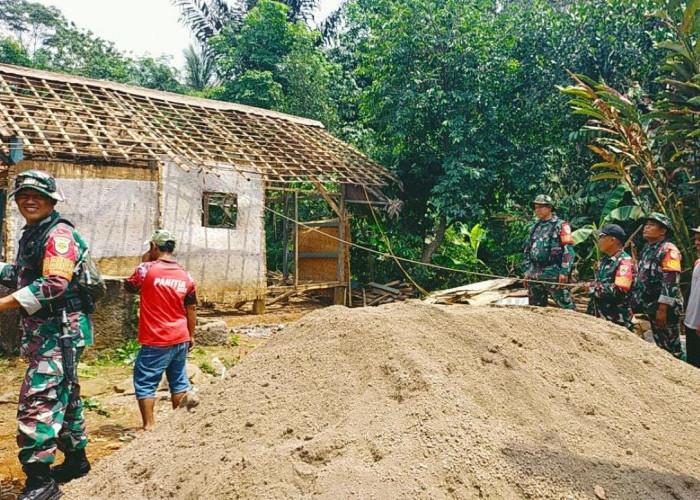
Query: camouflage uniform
(610,292)
(549,253)
(50,412)
(658,280)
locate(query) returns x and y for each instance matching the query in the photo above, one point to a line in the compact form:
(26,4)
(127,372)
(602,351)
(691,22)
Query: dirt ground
(411,400)
(112,417)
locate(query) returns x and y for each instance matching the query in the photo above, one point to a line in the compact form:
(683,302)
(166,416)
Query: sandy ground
(415,401)
(110,428)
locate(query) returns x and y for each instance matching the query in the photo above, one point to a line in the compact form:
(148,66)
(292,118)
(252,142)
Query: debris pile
(375,294)
(412,400)
(500,292)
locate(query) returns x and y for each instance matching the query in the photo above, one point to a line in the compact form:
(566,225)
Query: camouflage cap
(544,199)
(660,218)
(161,237)
(37,180)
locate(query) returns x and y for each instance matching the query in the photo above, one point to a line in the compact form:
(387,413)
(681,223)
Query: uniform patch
(671,261)
(623,282)
(58,266)
(61,244)
(565,235)
(624,275)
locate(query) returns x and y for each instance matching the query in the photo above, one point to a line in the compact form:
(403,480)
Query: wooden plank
(305,287)
(378,299)
(471,289)
(318,255)
(327,197)
(384,288)
(285,295)
(486,298)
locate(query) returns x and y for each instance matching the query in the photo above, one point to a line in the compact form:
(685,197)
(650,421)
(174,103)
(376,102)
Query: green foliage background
(459,98)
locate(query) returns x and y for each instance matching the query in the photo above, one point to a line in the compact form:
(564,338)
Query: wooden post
(285,238)
(296,238)
(258,306)
(339,296)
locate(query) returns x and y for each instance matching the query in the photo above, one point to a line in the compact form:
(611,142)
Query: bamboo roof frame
(63,117)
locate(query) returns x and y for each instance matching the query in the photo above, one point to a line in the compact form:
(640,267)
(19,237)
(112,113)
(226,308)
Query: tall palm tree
(206,18)
(199,69)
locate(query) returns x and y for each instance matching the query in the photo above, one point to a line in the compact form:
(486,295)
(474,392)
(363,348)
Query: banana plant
(611,212)
(645,151)
(469,240)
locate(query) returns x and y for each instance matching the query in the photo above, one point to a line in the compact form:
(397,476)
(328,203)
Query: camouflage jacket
(42,274)
(549,251)
(610,291)
(658,277)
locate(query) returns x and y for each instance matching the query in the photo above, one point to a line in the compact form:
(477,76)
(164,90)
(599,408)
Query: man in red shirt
(167,317)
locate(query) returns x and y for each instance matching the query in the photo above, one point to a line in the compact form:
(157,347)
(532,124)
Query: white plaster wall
(216,257)
(114,216)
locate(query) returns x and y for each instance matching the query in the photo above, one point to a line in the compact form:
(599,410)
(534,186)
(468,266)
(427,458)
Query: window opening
(220,210)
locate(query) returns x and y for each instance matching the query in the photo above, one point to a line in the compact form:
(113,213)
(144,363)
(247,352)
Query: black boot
(39,485)
(74,466)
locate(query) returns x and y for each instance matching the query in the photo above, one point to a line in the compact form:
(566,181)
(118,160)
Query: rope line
(411,261)
(388,245)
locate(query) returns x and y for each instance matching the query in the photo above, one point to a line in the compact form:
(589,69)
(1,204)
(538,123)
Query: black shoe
(74,466)
(39,485)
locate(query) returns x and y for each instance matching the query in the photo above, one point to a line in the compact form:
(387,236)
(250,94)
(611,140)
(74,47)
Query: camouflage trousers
(538,293)
(668,338)
(619,314)
(50,412)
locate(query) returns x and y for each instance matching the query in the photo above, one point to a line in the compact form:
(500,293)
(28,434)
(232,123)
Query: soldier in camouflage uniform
(50,412)
(610,291)
(548,256)
(657,291)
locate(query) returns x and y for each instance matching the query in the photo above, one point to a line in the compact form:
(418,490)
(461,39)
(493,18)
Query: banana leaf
(626,213)
(614,199)
(582,234)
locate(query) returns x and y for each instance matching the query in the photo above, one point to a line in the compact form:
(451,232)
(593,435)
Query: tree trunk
(430,248)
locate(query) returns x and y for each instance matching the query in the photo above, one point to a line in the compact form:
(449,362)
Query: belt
(53,309)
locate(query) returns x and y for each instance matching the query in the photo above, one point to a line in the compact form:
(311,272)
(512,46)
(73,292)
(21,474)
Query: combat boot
(74,466)
(39,485)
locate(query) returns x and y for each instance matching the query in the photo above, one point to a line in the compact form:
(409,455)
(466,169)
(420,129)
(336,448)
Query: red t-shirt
(166,288)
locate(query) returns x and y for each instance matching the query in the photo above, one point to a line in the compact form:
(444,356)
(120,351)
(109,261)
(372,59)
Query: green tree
(207,18)
(273,63)
(648,144)
(29,23)
(155,73)
(11,52)
(41,37)
(459,99)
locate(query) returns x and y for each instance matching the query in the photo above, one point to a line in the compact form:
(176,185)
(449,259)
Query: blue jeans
(150,364)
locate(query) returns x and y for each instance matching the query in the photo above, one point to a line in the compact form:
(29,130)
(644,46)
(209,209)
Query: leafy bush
(127,353)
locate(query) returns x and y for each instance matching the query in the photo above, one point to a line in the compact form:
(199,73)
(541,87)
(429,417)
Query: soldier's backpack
(86,274)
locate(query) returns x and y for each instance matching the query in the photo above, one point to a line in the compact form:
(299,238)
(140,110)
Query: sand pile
(416,401)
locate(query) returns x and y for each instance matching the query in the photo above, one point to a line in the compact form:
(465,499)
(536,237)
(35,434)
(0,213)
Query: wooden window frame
(211,196)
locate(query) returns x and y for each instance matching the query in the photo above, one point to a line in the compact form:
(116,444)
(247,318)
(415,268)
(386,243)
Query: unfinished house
(130,160)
